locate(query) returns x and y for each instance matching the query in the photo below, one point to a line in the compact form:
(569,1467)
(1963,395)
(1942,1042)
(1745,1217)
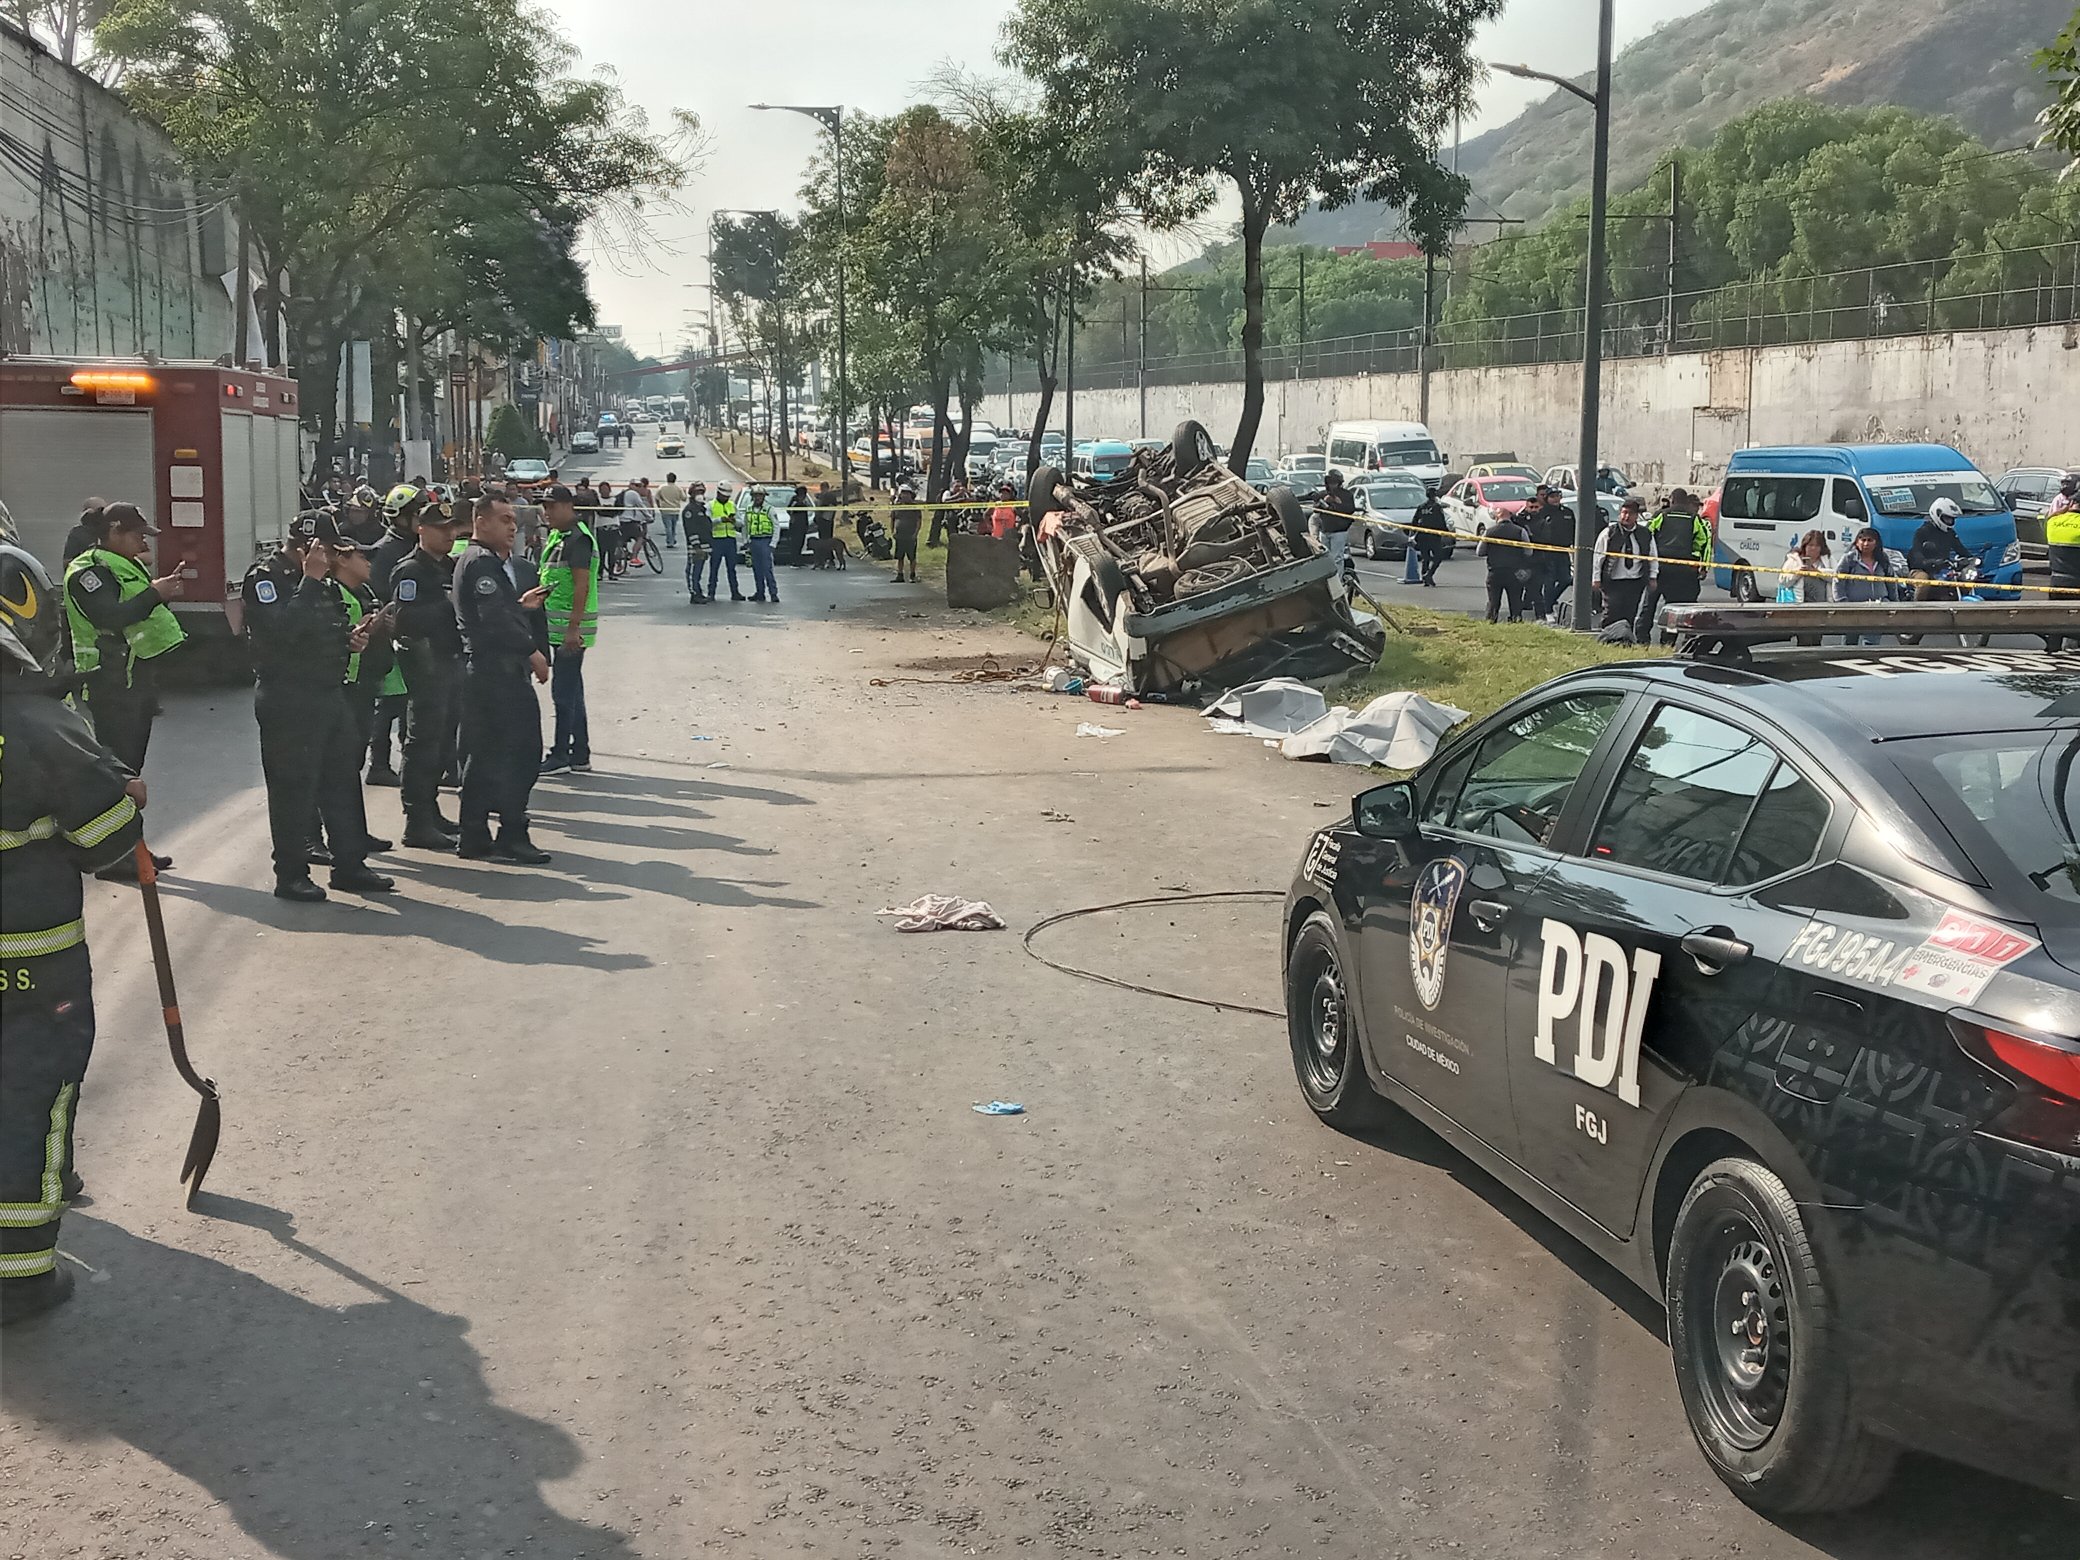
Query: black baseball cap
(557,493)
(127,517)
(303,530)
(330,535)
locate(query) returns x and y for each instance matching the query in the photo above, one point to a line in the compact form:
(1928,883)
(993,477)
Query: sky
(874,56)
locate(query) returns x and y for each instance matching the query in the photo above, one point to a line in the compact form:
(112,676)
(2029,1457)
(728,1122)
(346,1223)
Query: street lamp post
(832,117)
(1588,516)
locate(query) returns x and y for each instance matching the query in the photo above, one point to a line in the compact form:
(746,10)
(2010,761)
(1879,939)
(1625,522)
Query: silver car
(1386,505)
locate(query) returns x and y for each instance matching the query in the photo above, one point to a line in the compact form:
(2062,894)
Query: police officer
(302,643)
(121,628)
(401,506)
(502,722)
(429,649)
(67,805)
(758,531)
(700,540)
(90,530)
(571,569)
(722,531)
(367,668)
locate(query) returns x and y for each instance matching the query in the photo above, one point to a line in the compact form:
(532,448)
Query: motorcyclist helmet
(31,628)
(1944,512)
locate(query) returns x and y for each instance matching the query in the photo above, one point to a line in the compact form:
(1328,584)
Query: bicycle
(629,552)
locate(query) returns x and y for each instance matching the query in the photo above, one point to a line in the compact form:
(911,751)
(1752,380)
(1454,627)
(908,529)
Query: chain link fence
(1997,289)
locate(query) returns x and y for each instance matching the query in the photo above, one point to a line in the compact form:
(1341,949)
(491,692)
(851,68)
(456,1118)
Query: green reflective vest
(562,581)
(1700,537)
(153,635)
(722,517)
(353,621)
(758,523)
(2062,530)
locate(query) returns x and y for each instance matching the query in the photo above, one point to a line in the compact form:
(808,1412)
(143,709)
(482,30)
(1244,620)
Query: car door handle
(1487,914)
(1714,948)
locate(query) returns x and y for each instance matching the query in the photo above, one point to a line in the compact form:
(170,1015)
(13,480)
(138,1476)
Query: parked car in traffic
(2028,492)
(1609,479)
(1387,505)
(1504,468)
(1303,472)
(1261,474)
(1476,503)
(1356,448)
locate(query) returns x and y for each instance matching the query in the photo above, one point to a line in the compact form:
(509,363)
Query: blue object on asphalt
(1412,567)
(999,1108)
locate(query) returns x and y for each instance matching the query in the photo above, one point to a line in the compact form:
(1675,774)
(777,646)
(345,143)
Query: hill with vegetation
(1968,59)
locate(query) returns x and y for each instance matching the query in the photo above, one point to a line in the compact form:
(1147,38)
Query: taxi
(1758,971)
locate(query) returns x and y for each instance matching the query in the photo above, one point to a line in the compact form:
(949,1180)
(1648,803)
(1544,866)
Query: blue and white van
(1774,495)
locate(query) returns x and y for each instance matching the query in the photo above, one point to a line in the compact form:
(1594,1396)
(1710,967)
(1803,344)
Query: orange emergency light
(113,379)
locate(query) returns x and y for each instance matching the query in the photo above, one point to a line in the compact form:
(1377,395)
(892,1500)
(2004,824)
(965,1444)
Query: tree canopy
(1288,101)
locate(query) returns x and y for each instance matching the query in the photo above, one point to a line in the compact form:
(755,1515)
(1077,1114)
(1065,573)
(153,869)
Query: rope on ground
(1150,991)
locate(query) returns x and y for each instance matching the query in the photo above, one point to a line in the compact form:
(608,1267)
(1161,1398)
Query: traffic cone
(1412,572)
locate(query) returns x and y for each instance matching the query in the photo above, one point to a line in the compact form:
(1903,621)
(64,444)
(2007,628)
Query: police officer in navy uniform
(302,641)
(429,650)
(67,806)
(506,636)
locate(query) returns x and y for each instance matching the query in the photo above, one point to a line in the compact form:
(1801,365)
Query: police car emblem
(407,590)
(1431,908)
(264,592)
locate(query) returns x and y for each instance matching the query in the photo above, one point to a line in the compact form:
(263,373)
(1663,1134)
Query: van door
(1762,515)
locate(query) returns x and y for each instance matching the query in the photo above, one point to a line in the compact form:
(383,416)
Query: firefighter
(121,630)
(506,638)
(722,528)
(68,805)
(302,645)
(429,649)
(758,531)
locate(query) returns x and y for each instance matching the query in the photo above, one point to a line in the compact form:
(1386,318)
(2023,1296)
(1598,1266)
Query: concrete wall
(2007,397)
(105,249)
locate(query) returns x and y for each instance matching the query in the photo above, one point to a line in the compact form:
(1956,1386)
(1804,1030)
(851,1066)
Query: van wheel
(1191,447)
(1286,505)
(1759,1360)
(1042,500)
(1324,1032)
(1743,589)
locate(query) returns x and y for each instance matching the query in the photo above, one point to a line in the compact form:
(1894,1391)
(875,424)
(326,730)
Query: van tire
(1042,498)
(1286,505)
(1191,447)
(1743,588)
(1111,583)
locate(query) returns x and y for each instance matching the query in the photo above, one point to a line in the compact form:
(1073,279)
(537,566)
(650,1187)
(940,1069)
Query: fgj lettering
(1587,976)
(1587,1122)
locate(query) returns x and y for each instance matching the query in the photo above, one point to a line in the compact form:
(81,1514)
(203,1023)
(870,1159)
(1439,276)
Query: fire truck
(213,455)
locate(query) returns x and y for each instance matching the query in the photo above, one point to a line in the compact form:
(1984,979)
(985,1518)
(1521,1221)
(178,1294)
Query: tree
(511,437)
(1287,100)
(2061,121)
(393,148)
(754,277)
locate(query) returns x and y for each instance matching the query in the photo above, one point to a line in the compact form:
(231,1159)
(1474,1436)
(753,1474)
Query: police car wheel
(1758,1357)
(1324,1032)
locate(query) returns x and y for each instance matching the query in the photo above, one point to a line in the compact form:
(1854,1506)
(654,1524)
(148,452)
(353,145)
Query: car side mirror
(1386,812)
(1854,510)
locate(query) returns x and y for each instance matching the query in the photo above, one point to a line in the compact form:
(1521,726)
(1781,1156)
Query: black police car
(1762,979)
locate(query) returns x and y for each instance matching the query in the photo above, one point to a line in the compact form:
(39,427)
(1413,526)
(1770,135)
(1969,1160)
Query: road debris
(1085,729)
(999,1108)
(945,913)
(1400,729)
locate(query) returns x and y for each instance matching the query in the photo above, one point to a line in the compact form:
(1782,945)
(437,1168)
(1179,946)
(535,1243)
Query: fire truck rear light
(113,379)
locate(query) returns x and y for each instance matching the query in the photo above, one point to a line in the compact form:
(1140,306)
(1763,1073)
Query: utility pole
(1300,348)
(1423,339)
(1141,373)
(1588,515)
(1668,313)
(1069,384)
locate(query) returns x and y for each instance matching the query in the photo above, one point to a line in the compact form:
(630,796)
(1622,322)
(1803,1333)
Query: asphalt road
(635,1207)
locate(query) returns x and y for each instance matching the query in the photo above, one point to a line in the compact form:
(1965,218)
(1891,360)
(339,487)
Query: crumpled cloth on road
(945,913)
(1400,730)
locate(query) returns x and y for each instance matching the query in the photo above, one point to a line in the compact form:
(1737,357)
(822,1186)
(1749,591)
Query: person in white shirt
(671,498)
(1626,564)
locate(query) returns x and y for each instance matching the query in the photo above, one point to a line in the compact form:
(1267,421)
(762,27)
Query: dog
(827,552)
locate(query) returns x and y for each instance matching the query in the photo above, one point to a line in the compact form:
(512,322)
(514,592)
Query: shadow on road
(502,941)
(661,789)
(674,881)
(1931,1509)
(322,1430)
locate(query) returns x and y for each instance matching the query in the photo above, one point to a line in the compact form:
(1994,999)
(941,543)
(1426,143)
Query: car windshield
(2012,800)
(1260,471)
(1409,452)
(1110,465)
(1393,495)
(1912,495)
(1504,492)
